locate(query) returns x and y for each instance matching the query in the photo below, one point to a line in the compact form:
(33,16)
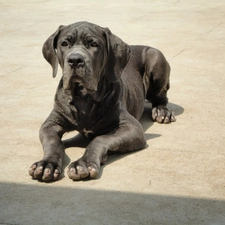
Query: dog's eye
(64,43)
(94,44)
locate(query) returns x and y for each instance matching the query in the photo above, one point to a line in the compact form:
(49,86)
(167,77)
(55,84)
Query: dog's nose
(76,60)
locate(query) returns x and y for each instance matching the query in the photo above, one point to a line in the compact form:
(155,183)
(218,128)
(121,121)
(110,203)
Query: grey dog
(101,94)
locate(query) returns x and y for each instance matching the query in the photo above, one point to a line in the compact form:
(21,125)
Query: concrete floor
(179,179)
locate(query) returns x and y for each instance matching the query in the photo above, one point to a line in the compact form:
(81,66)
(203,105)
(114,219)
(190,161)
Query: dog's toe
(77,172)
(92,171)
(45,171)
(162,114)
(80,169)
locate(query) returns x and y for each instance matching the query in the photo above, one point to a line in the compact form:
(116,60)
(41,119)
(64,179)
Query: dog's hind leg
(157,74)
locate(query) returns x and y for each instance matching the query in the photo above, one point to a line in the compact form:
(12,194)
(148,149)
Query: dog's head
(86,53)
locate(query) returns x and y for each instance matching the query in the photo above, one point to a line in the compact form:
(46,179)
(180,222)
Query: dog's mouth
(80,90)
(79,82)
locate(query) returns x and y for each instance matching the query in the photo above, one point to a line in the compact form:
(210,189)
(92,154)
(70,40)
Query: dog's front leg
(128,136)
(50,167)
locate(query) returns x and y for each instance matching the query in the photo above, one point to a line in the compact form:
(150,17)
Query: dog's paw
(162,114)
(82,169)
(45,171)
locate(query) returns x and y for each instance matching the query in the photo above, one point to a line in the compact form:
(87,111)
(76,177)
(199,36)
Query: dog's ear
(49,48)
(118,56)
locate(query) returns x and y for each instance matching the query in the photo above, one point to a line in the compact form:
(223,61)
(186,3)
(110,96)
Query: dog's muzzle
(76,61)
(74,71)
(77,75)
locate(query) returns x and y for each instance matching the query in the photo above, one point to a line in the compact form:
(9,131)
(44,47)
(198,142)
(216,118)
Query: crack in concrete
(177,54)
(12,71)
(214,27)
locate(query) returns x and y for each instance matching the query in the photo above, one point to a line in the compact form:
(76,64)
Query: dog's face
(86,53)
(82,54)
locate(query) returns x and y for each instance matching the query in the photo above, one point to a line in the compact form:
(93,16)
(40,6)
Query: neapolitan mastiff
(101,94)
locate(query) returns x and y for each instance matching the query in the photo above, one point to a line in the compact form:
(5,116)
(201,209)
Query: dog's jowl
(101,94)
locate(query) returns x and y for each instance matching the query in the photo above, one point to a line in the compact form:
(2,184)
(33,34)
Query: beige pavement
(179,179)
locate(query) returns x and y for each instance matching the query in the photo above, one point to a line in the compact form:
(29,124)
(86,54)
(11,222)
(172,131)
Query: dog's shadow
(146,122)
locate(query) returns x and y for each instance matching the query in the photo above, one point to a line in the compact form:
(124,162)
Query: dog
(101,94)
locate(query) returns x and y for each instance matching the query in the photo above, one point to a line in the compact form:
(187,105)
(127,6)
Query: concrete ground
(179,179)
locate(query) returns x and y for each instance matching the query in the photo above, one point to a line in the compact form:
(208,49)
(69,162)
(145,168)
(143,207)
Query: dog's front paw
(162,114)
(82,169)
(45,170)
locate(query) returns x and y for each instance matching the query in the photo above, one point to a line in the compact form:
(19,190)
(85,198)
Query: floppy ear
(118,56)
(49,52)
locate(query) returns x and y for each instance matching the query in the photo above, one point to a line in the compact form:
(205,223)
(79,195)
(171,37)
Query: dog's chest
(87,116)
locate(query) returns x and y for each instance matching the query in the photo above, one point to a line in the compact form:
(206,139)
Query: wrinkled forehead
(82,31)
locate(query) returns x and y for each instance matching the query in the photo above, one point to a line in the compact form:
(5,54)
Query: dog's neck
(106,93)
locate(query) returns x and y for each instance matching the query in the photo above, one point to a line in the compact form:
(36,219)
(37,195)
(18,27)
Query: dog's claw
(45,171)
(92,171)
(80,170)
(162,114)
